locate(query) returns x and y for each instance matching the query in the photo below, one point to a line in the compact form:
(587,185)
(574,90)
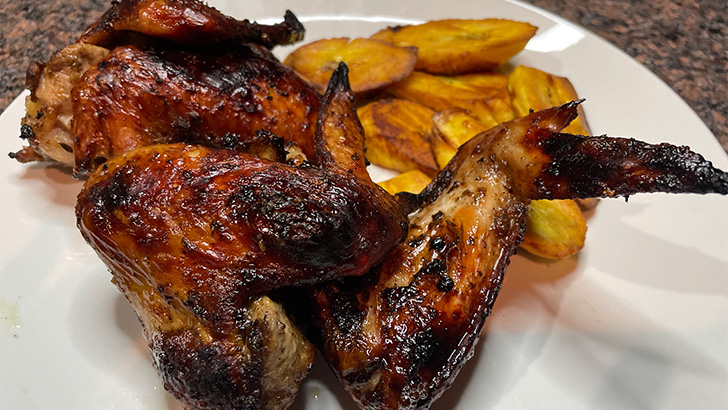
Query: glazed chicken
(189,22)
(193,237)
(397,336)
(153,72)
(242,100)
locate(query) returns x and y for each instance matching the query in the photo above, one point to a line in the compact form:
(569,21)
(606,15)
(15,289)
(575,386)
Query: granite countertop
(684,42)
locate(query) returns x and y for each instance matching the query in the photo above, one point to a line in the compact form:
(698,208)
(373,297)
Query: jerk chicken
(397,336)
(193,236)
(393,290)
(151,72)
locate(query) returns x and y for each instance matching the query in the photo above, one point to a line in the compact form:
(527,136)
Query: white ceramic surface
(638,320)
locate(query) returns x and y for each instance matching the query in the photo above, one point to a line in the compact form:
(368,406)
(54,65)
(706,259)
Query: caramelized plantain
(456,46)
(395,135)
(373,64)
(413,181)
(554,229)
(453,128)
(485,96)
(533,89)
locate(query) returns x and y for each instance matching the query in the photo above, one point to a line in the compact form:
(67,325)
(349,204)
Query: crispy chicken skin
(398,336)
(193,236)
(167,71)
(242,99)
(189,22)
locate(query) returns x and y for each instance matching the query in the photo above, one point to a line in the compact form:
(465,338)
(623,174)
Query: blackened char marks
(418,349)
(210,374)
(438,267)
(308,216)
(346,313)
(396,297)
(112,193)
(602,166)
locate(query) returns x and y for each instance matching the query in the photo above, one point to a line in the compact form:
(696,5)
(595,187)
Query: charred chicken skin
(193,236)
(397,336)
(167,71)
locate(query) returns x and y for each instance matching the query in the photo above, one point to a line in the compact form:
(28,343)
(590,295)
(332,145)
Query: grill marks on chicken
(176,71)
(194,235)
(398,336)
(242,100)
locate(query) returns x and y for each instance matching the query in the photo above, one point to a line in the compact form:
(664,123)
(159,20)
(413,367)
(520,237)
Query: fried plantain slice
(484,95)
(413,181)
(533,89)
(395,135)
(451,129)
(554,229)
(373,64)
(457,46)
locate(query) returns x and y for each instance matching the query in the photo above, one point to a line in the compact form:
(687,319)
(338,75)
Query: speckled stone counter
(684,42)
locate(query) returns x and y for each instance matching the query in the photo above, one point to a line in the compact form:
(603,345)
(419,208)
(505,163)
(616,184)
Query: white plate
(638,320)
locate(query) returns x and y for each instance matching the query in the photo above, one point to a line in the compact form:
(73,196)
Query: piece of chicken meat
(243,100)
(189,22)
(193,237)
(207,79)
(397,336)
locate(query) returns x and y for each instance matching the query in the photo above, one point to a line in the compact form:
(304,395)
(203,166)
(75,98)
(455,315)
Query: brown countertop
(684,42)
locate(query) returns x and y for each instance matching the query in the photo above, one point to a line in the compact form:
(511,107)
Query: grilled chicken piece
(47,125)
(242,99)
(189,22)
(178,71)
(193,235)
(398,336)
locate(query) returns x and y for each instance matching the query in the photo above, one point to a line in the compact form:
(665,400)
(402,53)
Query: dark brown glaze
(188,22)
(605,167)
(398,336)
(193,235)
(242,100)
(190,211)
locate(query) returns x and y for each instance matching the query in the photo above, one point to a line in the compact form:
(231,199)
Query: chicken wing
(193,236)
(189,22)
(397,336)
